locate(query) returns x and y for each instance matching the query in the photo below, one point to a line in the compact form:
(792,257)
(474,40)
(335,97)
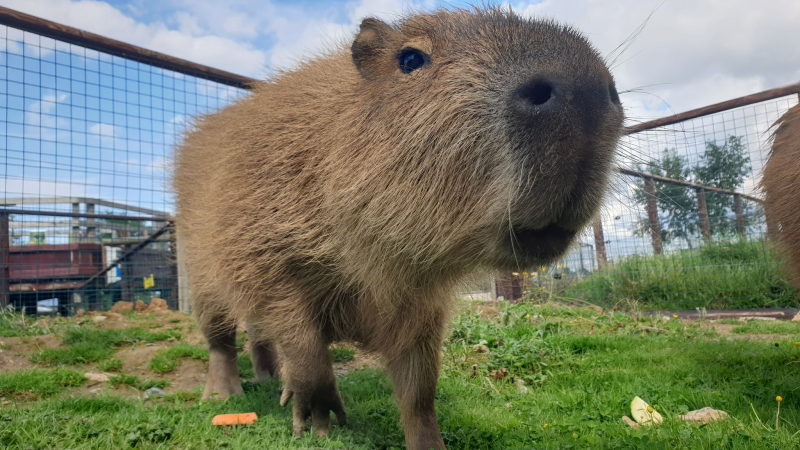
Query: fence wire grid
(87,140)
(88,137)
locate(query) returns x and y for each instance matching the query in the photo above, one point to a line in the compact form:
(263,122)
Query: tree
(677,211)
(721,166)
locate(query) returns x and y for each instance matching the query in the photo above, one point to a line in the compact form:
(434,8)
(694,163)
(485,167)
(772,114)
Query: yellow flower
(544,269)
(649,409)
(574,435)
(525,273)
(528,316)
(515,273)
(675,316)
(544,426)
(563,274)
(779,398)
(797,344)
(535,274)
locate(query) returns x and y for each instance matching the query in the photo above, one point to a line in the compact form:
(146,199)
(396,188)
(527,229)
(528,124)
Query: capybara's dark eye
(412,59)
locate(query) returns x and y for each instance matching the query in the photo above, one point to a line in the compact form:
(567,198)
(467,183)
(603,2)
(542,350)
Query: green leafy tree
(721,166)
(676,204)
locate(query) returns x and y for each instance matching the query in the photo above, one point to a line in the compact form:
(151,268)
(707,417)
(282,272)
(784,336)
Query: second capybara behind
(343,200)
(781,186)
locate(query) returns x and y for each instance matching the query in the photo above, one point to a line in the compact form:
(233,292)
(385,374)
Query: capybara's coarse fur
(343,200)
(781,186)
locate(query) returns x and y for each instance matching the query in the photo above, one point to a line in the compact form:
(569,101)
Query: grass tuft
(134,382)
(38,382)
(166,360)
(342,353)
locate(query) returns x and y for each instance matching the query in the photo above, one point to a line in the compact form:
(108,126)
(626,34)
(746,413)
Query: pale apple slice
(640,413)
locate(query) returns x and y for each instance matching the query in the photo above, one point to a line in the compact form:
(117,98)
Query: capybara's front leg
(414,375)
(223,373)
(307,374)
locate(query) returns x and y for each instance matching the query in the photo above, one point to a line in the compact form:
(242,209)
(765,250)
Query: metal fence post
(652,214)
(703,211)
(599,244)
(5,247)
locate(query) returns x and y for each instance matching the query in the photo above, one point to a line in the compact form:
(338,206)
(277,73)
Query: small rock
(99,318)
(630,422)
(92,376)
(140,306)
(509,405)
(157,304)
(704,415)
(340,372)
(480,348)
(150,344)
(154,391)
(94,391)
(796,317)
(521,386)
(122,307)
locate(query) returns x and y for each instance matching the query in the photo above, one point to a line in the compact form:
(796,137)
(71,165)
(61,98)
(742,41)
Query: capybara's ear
(370,45)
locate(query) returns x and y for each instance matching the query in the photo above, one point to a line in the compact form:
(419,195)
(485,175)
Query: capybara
(343,200)
(781,186)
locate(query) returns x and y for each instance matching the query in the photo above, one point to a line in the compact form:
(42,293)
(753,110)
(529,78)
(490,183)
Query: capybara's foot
(315,402)
(223,373)
(221,387)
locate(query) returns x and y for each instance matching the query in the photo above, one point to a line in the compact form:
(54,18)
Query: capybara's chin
(526,247)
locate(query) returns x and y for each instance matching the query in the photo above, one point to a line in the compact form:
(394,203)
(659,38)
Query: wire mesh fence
(88,127)
(87,138)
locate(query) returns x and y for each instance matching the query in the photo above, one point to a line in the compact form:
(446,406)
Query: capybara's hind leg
(223,373)
(264,355)
(307,374)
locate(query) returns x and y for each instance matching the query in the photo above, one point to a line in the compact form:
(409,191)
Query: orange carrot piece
(234,419)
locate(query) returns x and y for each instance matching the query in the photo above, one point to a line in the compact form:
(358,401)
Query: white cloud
(103,129)
(104,19)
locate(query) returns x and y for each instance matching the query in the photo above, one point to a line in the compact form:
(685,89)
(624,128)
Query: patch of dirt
(726,329)
(361,360)
(19,349)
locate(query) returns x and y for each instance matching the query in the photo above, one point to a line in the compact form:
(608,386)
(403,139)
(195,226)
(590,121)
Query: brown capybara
(781,186)
(342,201)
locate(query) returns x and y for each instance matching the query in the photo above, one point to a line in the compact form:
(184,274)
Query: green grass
(88,344)
(581,368)
(13,324)
(342,353)
(110,365)
(767,327)
(736,274)
(38,382)
(166,360)
(134,382)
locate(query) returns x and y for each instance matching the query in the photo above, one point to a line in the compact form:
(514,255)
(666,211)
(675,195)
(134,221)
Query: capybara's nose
(547,99)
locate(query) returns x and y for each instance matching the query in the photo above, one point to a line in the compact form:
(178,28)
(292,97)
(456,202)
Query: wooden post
(5,248)
(75,235)
(703,210)
(90,231)
(599,244)
(737,201)
(652,214)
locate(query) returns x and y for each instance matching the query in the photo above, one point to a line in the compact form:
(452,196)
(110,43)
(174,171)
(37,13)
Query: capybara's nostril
(612,92)
(537,93)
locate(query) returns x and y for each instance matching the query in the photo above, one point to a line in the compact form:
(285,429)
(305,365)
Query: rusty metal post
(737,201)
(705,226)
(652,214)
(5,249)
(599,244)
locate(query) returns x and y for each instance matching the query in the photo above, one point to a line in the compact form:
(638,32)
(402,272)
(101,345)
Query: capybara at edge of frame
(781,186)
(343,200)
